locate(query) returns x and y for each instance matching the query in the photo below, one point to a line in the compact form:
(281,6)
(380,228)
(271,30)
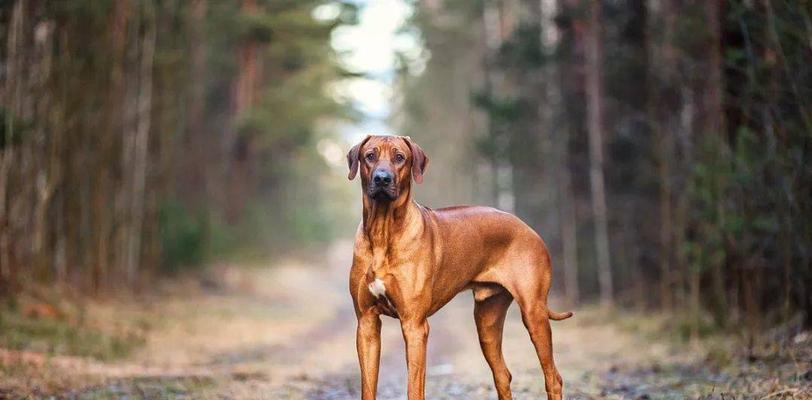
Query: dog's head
(387,165)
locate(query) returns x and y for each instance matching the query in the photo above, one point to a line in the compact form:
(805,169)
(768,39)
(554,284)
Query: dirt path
(288,333)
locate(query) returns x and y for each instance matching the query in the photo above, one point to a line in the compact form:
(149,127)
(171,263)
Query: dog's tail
(558,316)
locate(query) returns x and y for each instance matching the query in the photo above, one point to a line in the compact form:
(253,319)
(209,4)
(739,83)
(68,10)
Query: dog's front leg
(416,333)
(368,343)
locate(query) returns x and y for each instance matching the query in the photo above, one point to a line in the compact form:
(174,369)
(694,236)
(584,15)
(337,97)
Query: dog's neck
(384,222)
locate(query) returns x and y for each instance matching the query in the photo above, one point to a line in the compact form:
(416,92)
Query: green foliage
(524,49)
(505,113)
(503,110)
(707,129)
(348,14)
(311,226)
(255,27)
(276,134)
(684,326)
(182,236)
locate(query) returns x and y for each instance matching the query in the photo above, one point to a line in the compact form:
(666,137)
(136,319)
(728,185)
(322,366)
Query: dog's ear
(353,159)
(419,160)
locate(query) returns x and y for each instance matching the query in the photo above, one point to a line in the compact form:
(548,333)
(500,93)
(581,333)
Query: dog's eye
(399,157)
(370,156)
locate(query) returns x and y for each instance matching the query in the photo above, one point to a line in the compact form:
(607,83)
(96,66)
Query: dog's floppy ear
(353,160)
(419,160)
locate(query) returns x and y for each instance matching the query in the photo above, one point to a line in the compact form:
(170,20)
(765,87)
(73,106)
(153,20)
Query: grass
(50,322)
(44,333)
(63,337)
(725,365)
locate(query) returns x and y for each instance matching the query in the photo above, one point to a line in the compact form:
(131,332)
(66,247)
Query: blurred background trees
(142,136)
(660,147)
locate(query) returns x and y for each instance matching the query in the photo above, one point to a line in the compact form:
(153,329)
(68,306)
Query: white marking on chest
(377,288)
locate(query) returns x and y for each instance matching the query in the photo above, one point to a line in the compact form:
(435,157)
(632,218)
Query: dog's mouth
(382,194)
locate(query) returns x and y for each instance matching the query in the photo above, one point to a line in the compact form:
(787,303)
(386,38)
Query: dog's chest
(377,287)
(388,281)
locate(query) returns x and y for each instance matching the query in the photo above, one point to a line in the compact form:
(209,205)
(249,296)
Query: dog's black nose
(382,177)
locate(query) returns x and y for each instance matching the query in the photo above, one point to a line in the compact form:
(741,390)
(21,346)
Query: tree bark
(119,20)
(595,128)
(660,91)
(196,134)
(492,26)
(238,149)
(142,138)
(568,225)
(714,124)
(140,143)
(13,91)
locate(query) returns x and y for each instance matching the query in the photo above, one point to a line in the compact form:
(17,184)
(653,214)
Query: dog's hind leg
(489,314)
(536,318)
(537,323)
(531,295)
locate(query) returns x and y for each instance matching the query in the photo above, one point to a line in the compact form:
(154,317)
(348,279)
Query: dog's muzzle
(382,185)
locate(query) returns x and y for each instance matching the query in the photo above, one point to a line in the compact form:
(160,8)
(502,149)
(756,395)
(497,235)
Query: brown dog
(410,260)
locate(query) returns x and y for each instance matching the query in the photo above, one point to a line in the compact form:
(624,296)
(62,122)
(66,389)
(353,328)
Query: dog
(410,260)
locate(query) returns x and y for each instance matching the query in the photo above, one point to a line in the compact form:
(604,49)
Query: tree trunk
(238,149)
(595,127)
(568,225)
(786,218)
(104,187)
(714,125)
(695,304)
(492,26)
(665,110)
(13,91)
(44,168)
(248,59)
(664,154)
(142,140)
(196,134)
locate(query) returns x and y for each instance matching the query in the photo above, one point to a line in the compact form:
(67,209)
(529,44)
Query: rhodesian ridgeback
(410,260)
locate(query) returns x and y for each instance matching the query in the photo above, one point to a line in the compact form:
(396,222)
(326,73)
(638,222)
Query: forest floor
(288,332)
